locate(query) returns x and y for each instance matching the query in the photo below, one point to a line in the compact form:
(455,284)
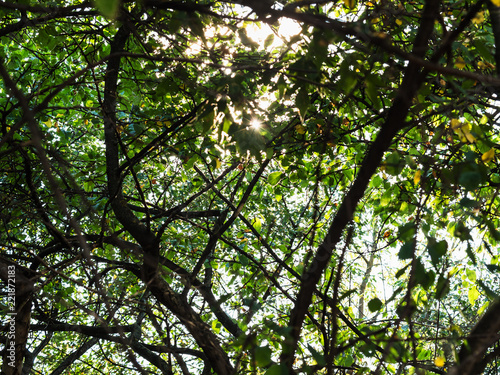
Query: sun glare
(289,28)
(260,32)
(255,124)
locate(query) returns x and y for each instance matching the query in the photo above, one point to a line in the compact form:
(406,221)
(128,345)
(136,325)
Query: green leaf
(263,356)
(377,181)
(442,287)
(394,164)
(406,232)
(372,90)
(245,40)
(470,180)
(108,8)
(282,86)
(347,294)
(348,78)
(436,250)
(402,271)
(216,326)
(375,304)
(274,177)
(492,295)
(318,357)
(243,259)
(484,51)
(406,250)
(461,231)
(302,102)
(277,370)
(468,203)
(422,277)
(473,295)
(471,275)
(269,40)
(257,224)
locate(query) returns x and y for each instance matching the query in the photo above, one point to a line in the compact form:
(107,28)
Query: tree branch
(485,333)
(395,121)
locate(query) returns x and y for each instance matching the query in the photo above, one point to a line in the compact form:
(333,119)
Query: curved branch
(200,331)
(395,121)
(123,213)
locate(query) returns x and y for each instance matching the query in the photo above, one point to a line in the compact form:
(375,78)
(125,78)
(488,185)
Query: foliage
(250,187)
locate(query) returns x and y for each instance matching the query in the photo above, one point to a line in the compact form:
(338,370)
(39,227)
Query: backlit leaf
(350,3)
(459,63)
(416,177)
(473,295)
(488,155)
(274,177)
(439,361)
(108,8)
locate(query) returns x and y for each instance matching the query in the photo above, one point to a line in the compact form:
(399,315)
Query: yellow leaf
(496,3)
(399,22)
(460,63)
(470,137)
(300,129)
(457,329)
(455,123)
(416,178)
(380,34)
(217,163)
(350,3)
(488,155)
(488,65)
(439,361)
(479,18)
(463,130)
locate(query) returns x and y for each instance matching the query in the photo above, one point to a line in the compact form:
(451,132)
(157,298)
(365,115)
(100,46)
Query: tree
(249,187)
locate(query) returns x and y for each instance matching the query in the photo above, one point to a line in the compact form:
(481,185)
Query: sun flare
(255,124)
(259,33)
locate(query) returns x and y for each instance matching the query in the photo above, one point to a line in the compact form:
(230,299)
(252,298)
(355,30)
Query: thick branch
(395,121)
(203,335)
(495,25)
(86,330)
(118,203)
(19,300)
(485,333)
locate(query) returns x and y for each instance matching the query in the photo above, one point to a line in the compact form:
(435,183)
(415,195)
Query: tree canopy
(251,187)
